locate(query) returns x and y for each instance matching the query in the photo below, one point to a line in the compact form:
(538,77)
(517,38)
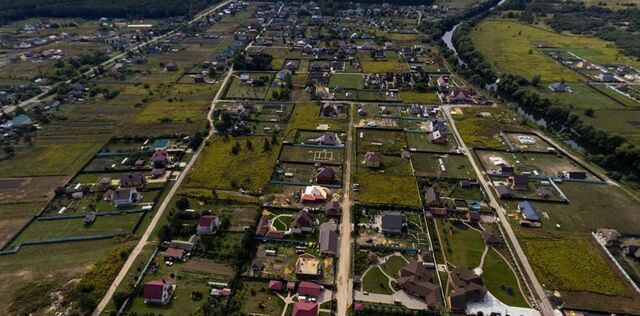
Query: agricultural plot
(535,164)
(384,66)
(41,229)
(582,96)
(292,153)
(378,188)
(527,142)
(481,127)
(452,188)
(389,166)
(188,103)
(413,97)
(442,165)
(303,173)
(387,142)
(255,87)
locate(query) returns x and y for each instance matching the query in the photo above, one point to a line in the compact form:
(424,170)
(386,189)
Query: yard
(379,188)
(244,90)
(388,142)
(394,264)
(463,245)
(455,166)
(419,97)
(500,280)
(258,299)
(346,81)
(374,281)
(384,66)
(420,142)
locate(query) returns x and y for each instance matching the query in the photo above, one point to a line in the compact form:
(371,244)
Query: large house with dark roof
(467,287)
(303,222)
(415,279)
(132,179)
(393,223)
(329,239)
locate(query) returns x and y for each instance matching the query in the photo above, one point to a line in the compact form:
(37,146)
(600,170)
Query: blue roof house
(528,211)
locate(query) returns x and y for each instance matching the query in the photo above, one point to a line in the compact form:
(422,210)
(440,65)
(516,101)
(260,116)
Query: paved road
(344,284)
(408,301)
(544,304)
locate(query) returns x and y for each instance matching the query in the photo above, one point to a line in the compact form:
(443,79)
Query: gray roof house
(393,223)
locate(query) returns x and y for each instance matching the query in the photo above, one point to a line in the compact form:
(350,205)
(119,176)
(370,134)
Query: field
(62,228)
(305,116)
(484,132)
(553,261)
(388,142)
(582,97)
(504,42)
(239,90)
(346,81)
(389,166)
(420,141)
(547,165)
(188,103)
(383,189)
(384,66)
(218,168)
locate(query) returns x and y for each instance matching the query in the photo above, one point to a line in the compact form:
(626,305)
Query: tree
(249,144)
(535,80)
(266,146)
(119,298)
(183,203)
(589,112)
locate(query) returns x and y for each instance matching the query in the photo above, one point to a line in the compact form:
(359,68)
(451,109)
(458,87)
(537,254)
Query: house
(330,139)
(329,110)
(506,170)
(528,212)
(332,209)
(473,216)
(174,254)
(305,309)
(187,246)
(468,184)
(438,211)
(303,222)
(393,223)
(315,193)
(208,224)
(373,159)
(631,248)
(608,236)
(437,138)
(443,83)
(275,285)
(171,67)
(503,191)
(157,292)
(132,179)
(559,87)
(325,175)
(459,96)
(578,175)
(307,266)
(198,78)
(432,197)
(257,265)
(306,288)
(415,279)
(467,288)
(160,158)
(543,192)
(329,239)
(161,144)
(157,172)
(490,238)
(21,120)
(520,183)
(124,197)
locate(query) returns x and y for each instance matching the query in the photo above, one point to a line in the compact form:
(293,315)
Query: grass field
(419,97)
(346,81)
(393,265)
(390,142)
(53,229)
(505,42)
(255,294)
(420,141)
(219,168)
(582,97)
(383,189)
(374,281)
(554,262)
(498,277)
(305,116)
(384,66)
(456,166)
(389,166)
(240,90)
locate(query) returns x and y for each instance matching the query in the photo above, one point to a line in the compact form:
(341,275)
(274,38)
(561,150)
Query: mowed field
(510,47)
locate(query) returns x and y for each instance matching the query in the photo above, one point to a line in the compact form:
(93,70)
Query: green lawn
(374,281)
(498,278)
(463,248)
(419,97)
(240,90)
(305,115)
(383,189)
(456,166)
(393,265)
(384,66)
(218,168)
(346,81)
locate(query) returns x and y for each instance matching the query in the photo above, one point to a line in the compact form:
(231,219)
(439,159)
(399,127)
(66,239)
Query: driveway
(491,304)
(407,300)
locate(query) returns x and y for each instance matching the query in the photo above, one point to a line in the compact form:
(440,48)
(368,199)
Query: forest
(11,10)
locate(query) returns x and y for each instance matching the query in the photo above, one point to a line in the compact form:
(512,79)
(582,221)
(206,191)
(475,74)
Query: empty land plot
(384,66)
(74,227)
(258,300)
(29,189)
(377,188)
(455,166)
(49,159)
(305,116)
(346,81)
(540,164)
(185,103)
(420,142)
(581,97)
(586,271)
(218,168)
(528,142)
(419,97)
(380,141)
(613,93)
(246,90)
(308,154)
(626,122)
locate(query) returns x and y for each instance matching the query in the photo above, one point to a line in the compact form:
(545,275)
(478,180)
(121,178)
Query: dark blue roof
(528,211)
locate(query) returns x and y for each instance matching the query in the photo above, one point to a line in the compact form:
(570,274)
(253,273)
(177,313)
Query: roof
(305,309)
(124,194)
(431,196)
(160,143)
(490,238)
(21,119)
(326,173)
(520,182)
(275,285)
(415,279)
(308,289)
(153,290)
(373,158)
(328,238)
(503,190)
(302,219)
(206,220)
(392,221)
(174,253)
(528,211)
(160,154)
(332,208)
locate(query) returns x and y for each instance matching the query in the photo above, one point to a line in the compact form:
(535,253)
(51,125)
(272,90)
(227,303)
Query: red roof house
(305,309)
(308,289)
(157,292)
(275,285)
(208,224)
